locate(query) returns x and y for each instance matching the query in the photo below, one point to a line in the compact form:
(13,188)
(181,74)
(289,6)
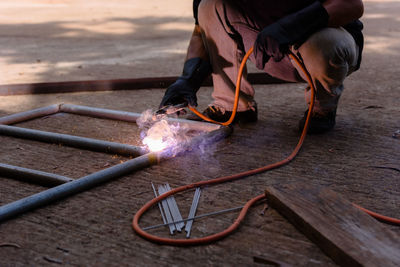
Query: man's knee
(208,8)
(331,51)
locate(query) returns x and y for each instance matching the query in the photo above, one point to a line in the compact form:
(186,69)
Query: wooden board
(346,234)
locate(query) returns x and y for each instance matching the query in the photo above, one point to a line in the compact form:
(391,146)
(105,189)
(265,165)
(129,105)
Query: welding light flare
(161,135)
(154,144)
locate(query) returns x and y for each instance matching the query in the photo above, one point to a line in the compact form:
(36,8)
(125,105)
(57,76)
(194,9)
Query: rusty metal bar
(31,114)
(113,85)
(87,86)
(33,176)
(71,140)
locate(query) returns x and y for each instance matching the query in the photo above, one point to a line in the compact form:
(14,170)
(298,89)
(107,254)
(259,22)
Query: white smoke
(159,134)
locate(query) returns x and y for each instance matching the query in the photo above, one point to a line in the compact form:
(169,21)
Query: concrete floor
(46,40)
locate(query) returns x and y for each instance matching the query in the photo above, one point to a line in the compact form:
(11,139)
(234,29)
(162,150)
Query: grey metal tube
(71,140)
(34,176)
(196,125)
(131,117)
(56,193)
(208,138)
(100,112)
(30,114)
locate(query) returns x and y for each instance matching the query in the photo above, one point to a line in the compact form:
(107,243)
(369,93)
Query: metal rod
(56,193)
(176,215)
(71,140)
(34,176)
(167,211)
(100,112)
(61,191)
(206,139)
(195,217)
(192,213)
(171,209)
(195,125)
(131,117)
(30,114)
(159,205)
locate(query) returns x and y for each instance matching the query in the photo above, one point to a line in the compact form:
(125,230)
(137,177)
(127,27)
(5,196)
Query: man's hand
(272,43)
(274,40)
(184,90)
(180,92)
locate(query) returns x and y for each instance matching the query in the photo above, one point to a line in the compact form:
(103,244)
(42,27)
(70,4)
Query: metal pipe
(34,176)
(173,206)
(192,212)
(195,217)
(100,112)
(56,193)
(195,125)
(131,117)
(71,140)
(30,114)
(159,205)
(204,139)
(61,191)
(167,211)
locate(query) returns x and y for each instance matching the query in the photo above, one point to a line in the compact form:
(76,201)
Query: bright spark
(160,136)
(154,145)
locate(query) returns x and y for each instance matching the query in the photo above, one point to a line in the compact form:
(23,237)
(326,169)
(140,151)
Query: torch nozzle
(178,109)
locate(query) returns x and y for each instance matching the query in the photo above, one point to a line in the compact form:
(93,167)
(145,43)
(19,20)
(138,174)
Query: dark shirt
(266,12)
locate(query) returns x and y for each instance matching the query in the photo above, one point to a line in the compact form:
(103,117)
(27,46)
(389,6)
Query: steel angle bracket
(65,186)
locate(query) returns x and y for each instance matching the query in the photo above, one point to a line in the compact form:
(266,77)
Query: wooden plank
(346,234)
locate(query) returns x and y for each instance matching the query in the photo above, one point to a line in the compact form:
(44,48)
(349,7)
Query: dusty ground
(80,40)
(45,40)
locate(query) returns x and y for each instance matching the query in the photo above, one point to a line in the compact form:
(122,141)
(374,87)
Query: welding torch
(178,109)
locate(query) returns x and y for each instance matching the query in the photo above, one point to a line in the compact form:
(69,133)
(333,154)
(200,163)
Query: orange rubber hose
(237,92)
(378,216)
(243,212)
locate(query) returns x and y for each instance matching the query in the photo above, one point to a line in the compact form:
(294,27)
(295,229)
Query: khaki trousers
(329,56)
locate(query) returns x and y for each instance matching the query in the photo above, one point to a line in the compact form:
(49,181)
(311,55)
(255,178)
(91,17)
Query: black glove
(196,4)
(184,90)
(275,39)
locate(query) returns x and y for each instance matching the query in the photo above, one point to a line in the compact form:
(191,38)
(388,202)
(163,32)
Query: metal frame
(66,186)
